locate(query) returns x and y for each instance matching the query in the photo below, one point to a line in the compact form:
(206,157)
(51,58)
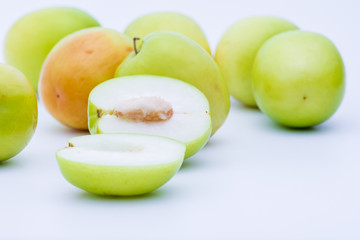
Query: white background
(254,180)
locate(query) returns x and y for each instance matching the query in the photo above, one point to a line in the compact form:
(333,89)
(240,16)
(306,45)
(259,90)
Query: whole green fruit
(171,21)
(31,38)
(237,49)
(170,54)
(298,78)
(18,111)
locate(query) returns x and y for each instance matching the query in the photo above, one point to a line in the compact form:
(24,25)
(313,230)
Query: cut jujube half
(120,164)
(153,105)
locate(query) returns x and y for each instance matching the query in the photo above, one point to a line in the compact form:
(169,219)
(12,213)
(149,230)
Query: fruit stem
(134,41)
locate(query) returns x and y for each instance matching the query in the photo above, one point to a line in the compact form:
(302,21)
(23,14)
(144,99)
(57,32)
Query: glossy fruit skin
(171,21)
(18,111)
(117,180)
(31,38)
(75,66)
(170,54)
(298,78)
(237,49)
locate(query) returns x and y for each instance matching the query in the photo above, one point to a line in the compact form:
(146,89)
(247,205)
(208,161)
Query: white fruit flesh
(122,150)
(176,128)
(151,105)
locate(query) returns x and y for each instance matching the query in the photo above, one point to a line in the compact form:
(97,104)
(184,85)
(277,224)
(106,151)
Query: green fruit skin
(237,49)
(197,144)
(170,21)
(191,147)
(18,111)
(298,78)
(117,180)
(31,38)
(170,54)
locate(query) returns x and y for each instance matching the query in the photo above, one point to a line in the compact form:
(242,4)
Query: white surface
(254,180)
